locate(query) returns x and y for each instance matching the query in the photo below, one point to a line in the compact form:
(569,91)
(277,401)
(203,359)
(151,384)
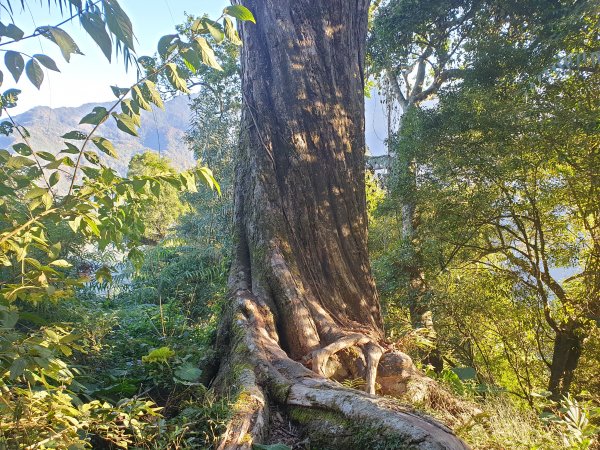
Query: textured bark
(301,283)
(300,203)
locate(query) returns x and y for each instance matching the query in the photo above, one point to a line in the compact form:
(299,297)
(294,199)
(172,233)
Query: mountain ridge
(162,131)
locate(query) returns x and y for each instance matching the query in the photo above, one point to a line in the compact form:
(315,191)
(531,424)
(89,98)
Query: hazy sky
(88,78)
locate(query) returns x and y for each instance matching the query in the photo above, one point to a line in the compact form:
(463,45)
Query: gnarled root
(396,376)
(372,352)
(261,373)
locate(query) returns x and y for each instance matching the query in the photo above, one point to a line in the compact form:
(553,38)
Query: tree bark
(565,358)
(301,283)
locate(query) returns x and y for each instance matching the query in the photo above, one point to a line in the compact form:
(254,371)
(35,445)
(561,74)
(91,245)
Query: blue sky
(88,78)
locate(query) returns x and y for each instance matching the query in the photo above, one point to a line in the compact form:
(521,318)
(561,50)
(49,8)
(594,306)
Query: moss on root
(304,416)
(329,430)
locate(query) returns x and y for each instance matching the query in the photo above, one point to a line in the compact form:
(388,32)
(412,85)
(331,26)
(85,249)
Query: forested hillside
(231,270)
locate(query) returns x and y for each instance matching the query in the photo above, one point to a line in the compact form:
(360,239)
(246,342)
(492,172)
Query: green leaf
(46,156)
(18,162)
(118,22)
(207,175)
(198,27)
(239,12)
(8,318)
(191,57)
(66,350)
(54,164)
(54,250)
(54,178)
(125,123)
(189,181)
(119,92)
(154,95)
(167,44)
(108,175)
(103,274)
(63,264)
(94,25)
(105,146)
(47,200)
(12,31)
(35,192)
(34,73)
(92,157)
(155,188)
(231,32)
(162,354)
(176,81)
(147,62)
(61,38)
(66,161)
(74,135)
(215,30)
(207,53)
(136,256)
(98,115)
(91,173)
(93,227)
(138,97)
(139,184)
(17,368)
(22,149)
(10,98)
(14,63)
(188,372)
(47,62)
(71,149)
(465,373)
(132,109)
(75,223)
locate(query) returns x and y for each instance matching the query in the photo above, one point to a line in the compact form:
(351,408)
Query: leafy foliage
(44,223)
(161,211)
(500,171)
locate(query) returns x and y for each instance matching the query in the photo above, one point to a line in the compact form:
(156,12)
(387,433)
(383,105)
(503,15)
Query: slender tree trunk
(418,293)
(565,358)
(303,305)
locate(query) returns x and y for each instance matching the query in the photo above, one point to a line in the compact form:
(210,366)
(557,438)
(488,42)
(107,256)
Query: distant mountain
(161,131)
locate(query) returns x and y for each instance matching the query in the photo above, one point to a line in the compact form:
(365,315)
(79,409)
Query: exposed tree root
(374,352)
(259,369)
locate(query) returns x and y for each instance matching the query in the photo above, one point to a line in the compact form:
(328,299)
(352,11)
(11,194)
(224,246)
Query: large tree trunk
(301,282)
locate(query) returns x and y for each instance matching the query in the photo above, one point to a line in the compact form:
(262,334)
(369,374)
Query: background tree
(504,160)
(213,137)
(540,207)
(415,48)
(160,214)
(420,49)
